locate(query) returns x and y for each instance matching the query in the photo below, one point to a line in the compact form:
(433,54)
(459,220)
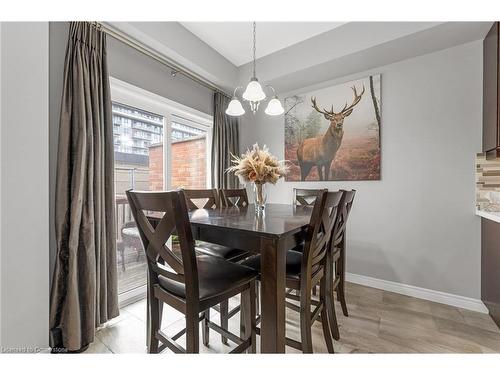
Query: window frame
(136,97)
(133,96)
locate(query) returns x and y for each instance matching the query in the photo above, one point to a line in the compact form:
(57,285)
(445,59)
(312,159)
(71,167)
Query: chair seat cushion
(216,276)
(300,248)
(219,251)
(293,262)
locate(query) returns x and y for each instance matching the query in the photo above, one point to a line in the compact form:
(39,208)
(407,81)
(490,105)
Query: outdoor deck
(134,274)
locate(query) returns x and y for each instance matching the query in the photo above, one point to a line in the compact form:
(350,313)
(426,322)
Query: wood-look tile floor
(378,322)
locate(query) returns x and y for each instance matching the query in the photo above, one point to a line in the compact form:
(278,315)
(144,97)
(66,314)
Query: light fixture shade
(274,107)
(254,92)
(234,108)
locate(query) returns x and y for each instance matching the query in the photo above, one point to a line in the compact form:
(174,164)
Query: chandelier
(254,94)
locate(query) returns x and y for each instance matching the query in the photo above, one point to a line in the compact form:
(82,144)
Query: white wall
(24,275)
(417,225)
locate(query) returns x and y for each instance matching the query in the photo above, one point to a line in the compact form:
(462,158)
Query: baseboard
(417,292)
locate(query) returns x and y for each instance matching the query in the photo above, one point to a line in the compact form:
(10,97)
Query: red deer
(320,151)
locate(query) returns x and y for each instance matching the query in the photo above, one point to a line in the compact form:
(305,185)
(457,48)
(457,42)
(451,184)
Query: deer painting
(320,151)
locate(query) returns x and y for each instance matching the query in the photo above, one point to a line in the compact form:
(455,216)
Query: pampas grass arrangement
(258,166)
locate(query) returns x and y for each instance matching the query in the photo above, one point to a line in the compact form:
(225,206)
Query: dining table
(270,233)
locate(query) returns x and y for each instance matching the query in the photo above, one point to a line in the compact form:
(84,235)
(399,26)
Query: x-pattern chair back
(323,219)
(234,197)
(201,198)
(305,197)
(175,221)
(343,215)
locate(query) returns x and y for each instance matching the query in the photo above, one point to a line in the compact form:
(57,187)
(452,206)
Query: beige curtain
(225,142)
(84,286)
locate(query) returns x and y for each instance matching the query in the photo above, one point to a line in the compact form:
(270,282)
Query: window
(158,144)
(190,145)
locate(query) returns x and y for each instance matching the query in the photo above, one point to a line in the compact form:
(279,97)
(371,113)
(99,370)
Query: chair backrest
(201,198)
(234,197)
(344,211)
(171,206)
(305,197)
(321,227)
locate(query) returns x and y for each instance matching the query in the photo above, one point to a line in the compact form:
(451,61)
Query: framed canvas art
(333,134)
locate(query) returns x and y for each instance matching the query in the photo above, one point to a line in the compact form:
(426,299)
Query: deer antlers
(325,112)
(345,110)
(356,100)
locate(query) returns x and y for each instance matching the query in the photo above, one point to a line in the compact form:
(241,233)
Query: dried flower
(258,165)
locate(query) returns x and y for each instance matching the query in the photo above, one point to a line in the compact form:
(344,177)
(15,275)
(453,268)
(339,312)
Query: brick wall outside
(156,167)
(189,164)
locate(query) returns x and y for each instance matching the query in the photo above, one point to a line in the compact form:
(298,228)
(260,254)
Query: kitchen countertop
(495,216)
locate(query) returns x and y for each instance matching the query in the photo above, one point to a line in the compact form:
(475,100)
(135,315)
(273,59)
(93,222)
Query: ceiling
(233,40)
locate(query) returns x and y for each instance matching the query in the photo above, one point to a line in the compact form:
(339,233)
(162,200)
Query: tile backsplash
(487,183)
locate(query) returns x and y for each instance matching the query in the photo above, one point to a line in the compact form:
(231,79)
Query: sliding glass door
(159,145)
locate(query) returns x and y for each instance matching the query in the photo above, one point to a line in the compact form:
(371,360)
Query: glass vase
(260,197)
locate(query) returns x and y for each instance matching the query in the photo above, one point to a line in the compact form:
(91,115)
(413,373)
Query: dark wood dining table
(270,233)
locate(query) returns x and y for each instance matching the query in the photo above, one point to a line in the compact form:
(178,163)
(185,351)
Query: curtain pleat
(225,142)
(84,293)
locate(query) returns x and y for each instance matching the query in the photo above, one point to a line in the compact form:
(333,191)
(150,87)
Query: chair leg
(305,320)
(341,285)
(330,305)
(257,297)
(160,314)
(206,331)
(341,298)
(192,332)
(253,314)
(224,318)
(247,316)
(154,325)
(329,300)
(327,332)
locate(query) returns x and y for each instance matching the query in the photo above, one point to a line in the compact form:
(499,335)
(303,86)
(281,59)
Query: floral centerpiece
(259,167)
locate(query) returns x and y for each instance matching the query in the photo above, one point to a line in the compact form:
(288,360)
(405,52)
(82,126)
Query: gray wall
(137,69)
(127,65)
(358,46)
(172,39)
(417,225)
(24,193)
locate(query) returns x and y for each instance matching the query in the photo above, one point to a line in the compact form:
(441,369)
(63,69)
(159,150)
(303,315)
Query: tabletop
(276,220)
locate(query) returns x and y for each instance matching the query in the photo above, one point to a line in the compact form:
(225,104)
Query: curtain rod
(144,49)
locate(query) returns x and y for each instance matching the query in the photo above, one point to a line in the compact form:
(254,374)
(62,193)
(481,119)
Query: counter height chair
(305,197)
(190,283)
(338,248)
(338,254)
(234,197)
(308,268)
(209,199)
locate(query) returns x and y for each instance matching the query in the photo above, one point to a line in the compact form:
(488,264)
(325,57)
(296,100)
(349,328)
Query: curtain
(84,291)
(225,142)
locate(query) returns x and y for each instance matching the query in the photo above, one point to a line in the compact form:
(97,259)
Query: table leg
(273,267)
